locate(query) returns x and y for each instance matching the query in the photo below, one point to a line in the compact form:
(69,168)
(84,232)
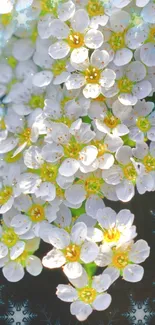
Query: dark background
(34,297)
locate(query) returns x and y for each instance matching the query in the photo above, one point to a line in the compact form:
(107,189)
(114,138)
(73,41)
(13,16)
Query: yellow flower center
(72,149)
(111,121)
(22,258)
(48,6)
(2,124)
(58,67)
(111,235)
(72,253)
(151,36)
(87,295)
(25,136)
(60,193)
(9,157)
(117,41)
(143,124)
(36,101)
(9,237)
(12,61)
(136,19)
(93,185)
(130,172)
(120,260)
(48,172)
(5,194)
(5,19)
(75,40)
(101,147)
(92,75)
(149,163)
(125,85)
(36,213)
(95,8)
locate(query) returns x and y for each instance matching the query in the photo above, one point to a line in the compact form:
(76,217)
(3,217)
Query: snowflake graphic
(139,313)
(1,300)
(18,313)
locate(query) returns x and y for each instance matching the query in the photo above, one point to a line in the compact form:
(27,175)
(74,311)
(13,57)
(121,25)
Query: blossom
(75,38)
(93,75)
(70,250)
(125,259)
(84,297)
(17,255)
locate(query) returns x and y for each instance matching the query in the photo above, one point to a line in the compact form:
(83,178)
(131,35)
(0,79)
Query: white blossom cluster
(76,126)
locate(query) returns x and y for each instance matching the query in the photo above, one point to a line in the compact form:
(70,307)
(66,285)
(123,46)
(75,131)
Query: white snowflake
(139,312)
(18,313)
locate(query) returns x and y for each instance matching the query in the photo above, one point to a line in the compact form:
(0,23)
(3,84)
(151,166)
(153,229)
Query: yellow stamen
(72,253)
(36,213)
(87,295)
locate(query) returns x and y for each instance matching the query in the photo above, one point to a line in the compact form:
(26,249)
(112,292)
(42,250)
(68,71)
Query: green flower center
(25,136)
(72,149)
(49,172)
(117,41)
(130,172)
(149,163)
(95,8)
(9,237)
(143,124)
(36,101)
(22,258)
(125,85)
(5,194)
(92,75)
(87,295)
(93,185)
(58,67)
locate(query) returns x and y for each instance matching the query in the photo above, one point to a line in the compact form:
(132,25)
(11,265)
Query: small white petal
(13,271)
(133,273)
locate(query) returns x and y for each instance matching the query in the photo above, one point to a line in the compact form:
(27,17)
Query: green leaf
(90,269)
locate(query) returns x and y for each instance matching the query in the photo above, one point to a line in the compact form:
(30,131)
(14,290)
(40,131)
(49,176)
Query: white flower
(32,215)
(84,297)
(93,75)
(141,37)
(125,259)
(74,38)
(9,187)
(111,124)
(25,98)
(97,11)
(130,84)
(116,229)
(70,249)
(141,122)
(15,255)
(116,38)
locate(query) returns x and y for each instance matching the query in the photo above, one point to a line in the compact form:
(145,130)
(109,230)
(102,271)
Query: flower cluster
(76,126)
